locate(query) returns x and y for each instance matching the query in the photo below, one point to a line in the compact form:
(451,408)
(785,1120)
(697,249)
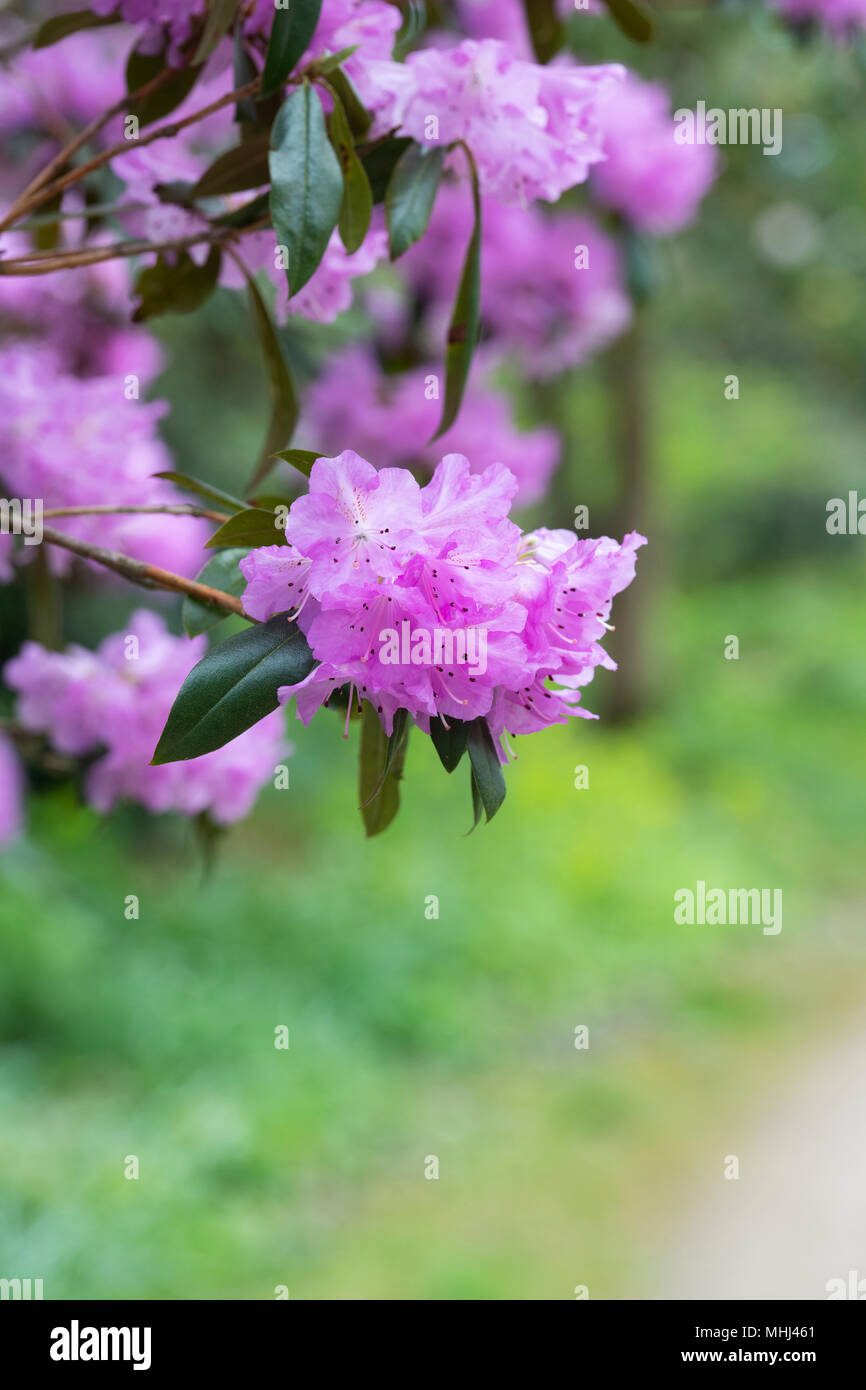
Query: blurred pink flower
(11,793)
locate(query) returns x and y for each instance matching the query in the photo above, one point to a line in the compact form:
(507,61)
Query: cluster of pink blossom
(328,292)
(552,286)
(840,17)
(430,599)
(115,701)
(160,22)
(390,418)
(70,441)
(653,181)
(533,130)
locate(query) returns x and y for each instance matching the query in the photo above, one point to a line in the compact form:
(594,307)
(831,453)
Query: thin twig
(50,190)
(155,509)
(147,576)
(46,262)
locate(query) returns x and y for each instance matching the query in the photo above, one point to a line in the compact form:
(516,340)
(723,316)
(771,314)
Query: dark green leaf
(544,27)
(243,72)
(233,687)
(213,494)
(60,25)
(411,195)
(380,769)
(414,22)
(178,287)
(219,21)
(245,166)
(251,528)
(449,742)
(322,67)
(306,184)
(220,572)
(302,459)
(290,37)
(252,211)
(477,803)
(142,68)
(284,400)
(356,207)
(487,774)
(358,116)
(463,330)
(632,19)
(379,163)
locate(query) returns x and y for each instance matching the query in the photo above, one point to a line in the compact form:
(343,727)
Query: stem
(26,197)
(50,190)
(147,576)
(43,603)
(46,262)
(163,509)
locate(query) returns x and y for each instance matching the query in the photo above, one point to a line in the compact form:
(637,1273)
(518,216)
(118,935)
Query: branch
(50,190)
(147,576)
(162,509)
(26,198)
(46,262)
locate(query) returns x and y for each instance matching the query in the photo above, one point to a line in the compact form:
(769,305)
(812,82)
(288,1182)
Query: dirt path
(796,1217)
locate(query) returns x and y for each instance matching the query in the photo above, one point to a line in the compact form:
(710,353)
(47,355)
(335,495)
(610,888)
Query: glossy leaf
(411,194)
(306,184)
(289,39)
(487,775)
(545,28)
(176,287)
(632,19)
(379,163)
(302,459)
(236,170)
(250,528)
(449,741)
(356,207)
(61,25)
(224,500)
(463,330)
(220,572)
(380,769)
(141,68)
(284,400)
(233,686)
(218,22)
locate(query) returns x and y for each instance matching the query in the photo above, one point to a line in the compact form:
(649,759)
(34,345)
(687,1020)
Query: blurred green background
(455,1037)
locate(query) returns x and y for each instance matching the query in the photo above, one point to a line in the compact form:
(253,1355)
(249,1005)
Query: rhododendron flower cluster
(373,559)
(113,702)
(840,17)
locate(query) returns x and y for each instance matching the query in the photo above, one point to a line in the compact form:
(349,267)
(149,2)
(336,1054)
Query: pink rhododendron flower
(533,129)
(552,287)
(76,79)
(841,17)
(391,418)
(73,442)
(379,562)
(117,699)
(11,787)
(646,175)
(160,21)
(328,292)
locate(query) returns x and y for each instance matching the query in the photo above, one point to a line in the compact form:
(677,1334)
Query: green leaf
(306,184)
(411,195)
(284,400)
(251,528)
(477,803)
(176,288)
(243,72)
(380,769)
(414,23)
(463,330)
(233,687)
(322,67)
(359,118)
(213,494)
(290,37)
(379,163)
(220,572)
(219,21)
(487,774)
(356,207)
(449,741)
(632,19)
(252,211)
(61,25)
(302,459)
(142,68)
(545,29)
(236,170)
